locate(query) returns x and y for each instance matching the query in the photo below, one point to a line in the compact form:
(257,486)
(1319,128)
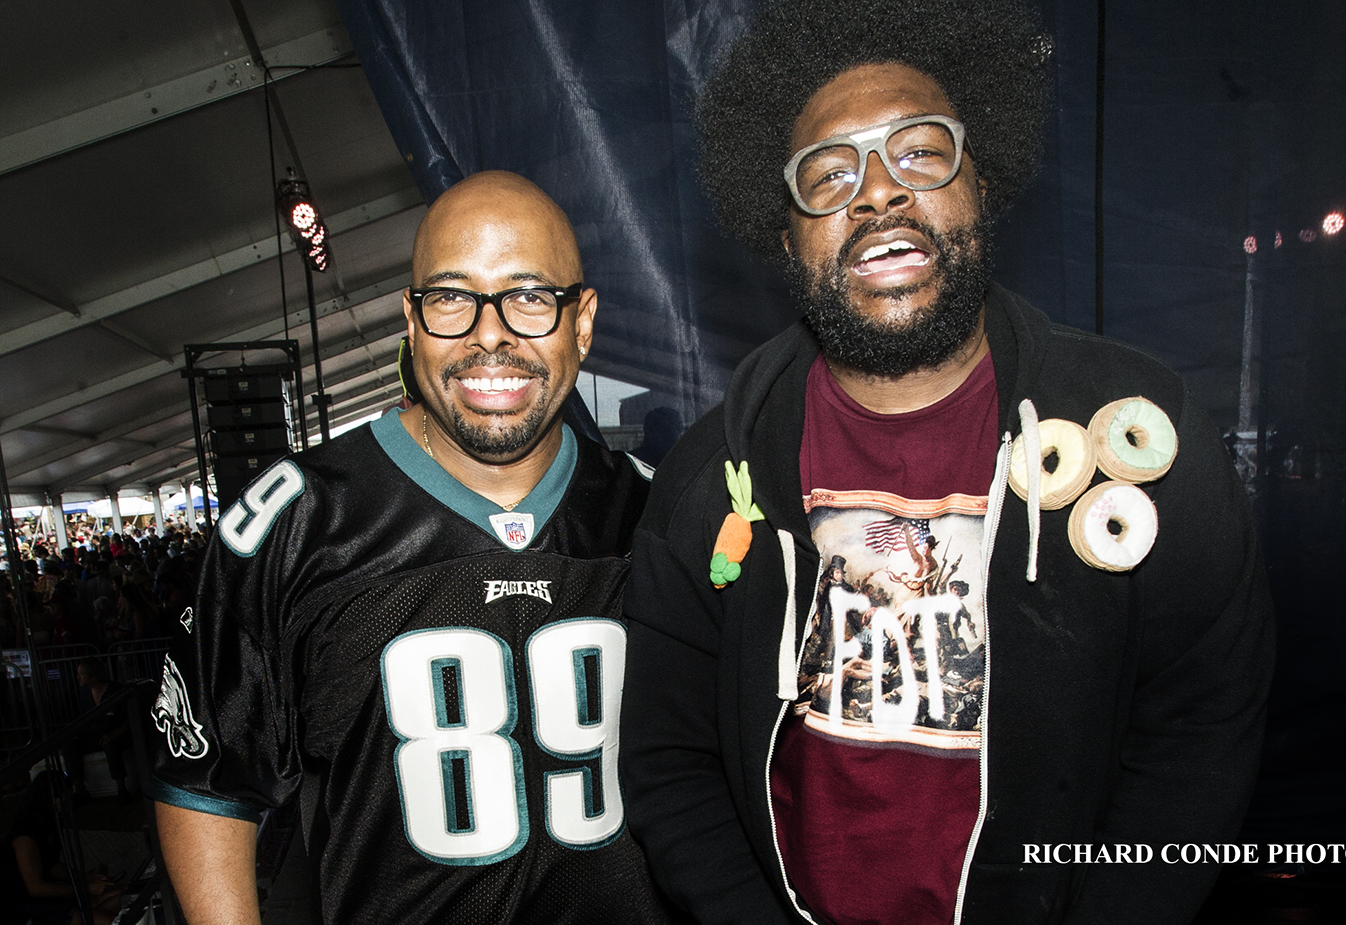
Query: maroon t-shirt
(876,791)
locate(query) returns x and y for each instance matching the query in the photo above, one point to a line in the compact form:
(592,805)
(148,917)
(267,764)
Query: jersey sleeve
(227,743)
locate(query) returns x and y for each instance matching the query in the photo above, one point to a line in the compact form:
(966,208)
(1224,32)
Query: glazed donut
(1135,439)
(1119,503)
(1074,467)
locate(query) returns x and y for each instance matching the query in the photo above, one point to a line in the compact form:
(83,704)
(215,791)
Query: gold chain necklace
(425,438)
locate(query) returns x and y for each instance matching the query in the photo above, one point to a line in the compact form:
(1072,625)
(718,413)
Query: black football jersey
(447,675)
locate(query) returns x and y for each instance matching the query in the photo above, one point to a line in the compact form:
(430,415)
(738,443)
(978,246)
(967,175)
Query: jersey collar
(514,532)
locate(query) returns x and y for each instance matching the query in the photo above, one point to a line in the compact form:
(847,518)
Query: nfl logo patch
(514,529)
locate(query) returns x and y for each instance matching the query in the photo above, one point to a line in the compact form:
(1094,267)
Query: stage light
(1333,223)
(306,226)
(1249,245)
(302,217)
(1279,239)
(1308,236)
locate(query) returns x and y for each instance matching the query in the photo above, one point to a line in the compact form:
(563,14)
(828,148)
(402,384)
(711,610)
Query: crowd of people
(102,589)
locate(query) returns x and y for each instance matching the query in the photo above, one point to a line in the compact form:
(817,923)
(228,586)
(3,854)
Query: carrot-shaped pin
(735,536)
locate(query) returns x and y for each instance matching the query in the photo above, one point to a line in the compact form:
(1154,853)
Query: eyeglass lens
(922,157)
(528,312)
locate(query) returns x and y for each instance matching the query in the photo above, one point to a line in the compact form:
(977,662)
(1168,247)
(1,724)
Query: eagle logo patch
(172,714)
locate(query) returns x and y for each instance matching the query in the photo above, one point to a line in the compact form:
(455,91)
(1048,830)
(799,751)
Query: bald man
(420,622)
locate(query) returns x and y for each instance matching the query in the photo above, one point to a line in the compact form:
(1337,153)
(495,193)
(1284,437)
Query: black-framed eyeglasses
(921,153)
(527,311)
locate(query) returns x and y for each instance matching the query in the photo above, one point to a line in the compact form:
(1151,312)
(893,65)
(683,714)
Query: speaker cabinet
(249,416)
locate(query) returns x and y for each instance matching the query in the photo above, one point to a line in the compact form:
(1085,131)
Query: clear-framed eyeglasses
(921,153)
(528,311)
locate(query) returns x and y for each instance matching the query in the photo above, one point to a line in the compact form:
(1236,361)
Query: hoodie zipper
(771,752)
(996,503)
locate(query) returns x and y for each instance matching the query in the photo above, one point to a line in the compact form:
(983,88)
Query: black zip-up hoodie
(1119,708)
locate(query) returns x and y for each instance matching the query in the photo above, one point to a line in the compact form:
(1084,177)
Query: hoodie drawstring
(787,676)
(1028,417)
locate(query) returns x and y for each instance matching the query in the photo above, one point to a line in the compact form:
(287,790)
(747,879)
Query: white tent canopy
(129,507)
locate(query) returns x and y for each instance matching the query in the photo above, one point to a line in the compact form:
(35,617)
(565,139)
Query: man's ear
(786,242)
(584,321)
(981,188)
(411,322)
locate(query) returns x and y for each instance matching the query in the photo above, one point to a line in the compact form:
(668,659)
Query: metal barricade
(138,659)
(54,677)
(18,718)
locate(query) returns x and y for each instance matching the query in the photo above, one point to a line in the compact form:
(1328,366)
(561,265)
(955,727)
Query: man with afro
(936,434)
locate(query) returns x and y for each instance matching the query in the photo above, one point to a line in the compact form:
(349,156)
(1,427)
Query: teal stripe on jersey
(175,796)
(411,458)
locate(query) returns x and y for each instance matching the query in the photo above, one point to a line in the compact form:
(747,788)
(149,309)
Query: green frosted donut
(1156,440)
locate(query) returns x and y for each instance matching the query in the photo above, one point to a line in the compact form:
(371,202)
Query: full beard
(496,438)
(925,340)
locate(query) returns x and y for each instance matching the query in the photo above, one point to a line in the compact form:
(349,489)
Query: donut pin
(1134,438)
(1075,461)
(1113,526)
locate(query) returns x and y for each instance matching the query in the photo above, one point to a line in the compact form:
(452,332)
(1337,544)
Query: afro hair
(988,56)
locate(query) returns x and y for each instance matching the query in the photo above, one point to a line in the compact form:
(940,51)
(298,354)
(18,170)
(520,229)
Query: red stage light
(304,221)
(303,216)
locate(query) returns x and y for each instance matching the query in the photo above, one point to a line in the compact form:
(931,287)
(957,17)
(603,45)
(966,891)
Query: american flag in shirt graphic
(895,534)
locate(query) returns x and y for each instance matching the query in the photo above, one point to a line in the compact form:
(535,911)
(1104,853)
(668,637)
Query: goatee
(925,340)
(486,441)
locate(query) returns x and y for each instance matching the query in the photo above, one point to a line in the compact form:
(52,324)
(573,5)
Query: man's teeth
(880,250)
(495,385)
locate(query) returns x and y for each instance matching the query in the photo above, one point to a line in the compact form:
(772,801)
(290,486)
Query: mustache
(493,360)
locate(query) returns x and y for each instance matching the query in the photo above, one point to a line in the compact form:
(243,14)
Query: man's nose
(879,192)
(490,333)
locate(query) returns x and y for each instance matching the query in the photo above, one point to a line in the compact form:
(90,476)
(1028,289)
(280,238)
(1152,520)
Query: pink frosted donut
(1110,506)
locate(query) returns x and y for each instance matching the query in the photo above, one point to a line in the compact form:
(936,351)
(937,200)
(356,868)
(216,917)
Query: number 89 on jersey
(451,699)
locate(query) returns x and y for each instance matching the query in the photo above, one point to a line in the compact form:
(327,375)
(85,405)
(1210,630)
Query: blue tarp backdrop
(1201,230)
(591,101)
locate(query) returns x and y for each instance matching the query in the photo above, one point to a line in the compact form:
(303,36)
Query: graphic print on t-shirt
(897,622)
